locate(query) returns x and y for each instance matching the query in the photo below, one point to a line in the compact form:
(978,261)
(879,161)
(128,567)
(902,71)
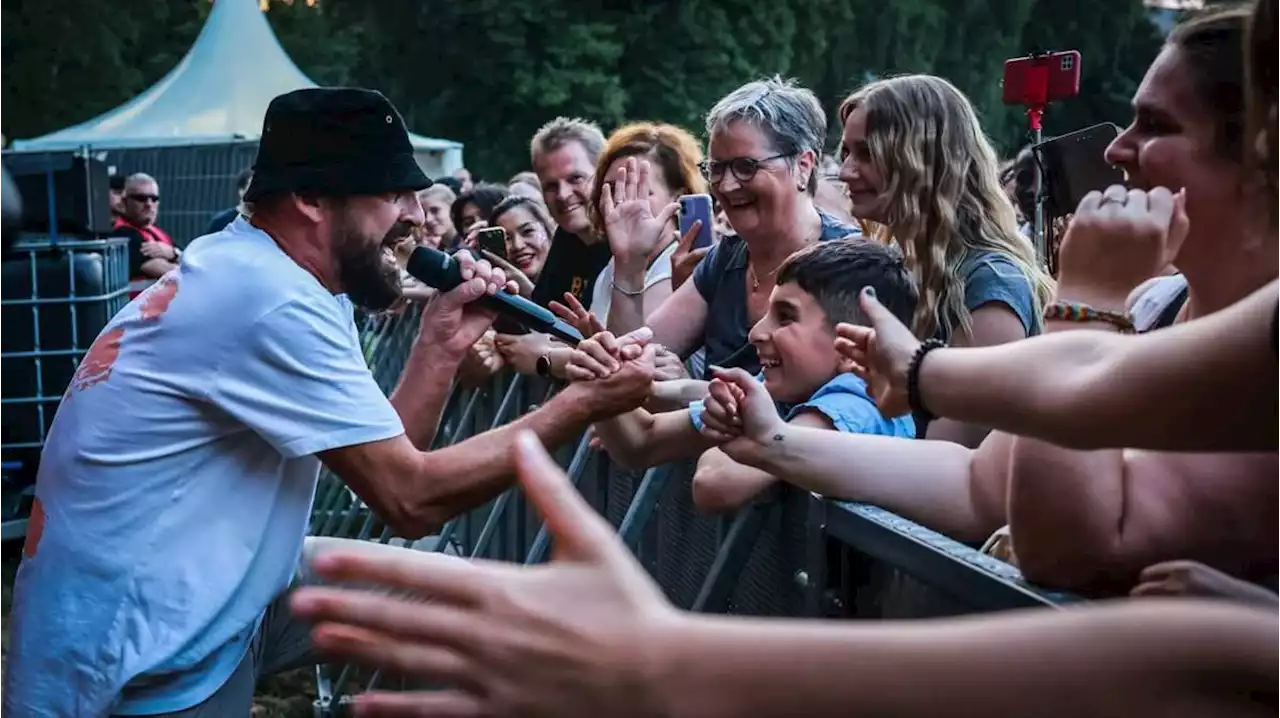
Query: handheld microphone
(441,272)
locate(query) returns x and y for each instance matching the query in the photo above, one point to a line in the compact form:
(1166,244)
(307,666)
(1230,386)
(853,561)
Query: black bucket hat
(334,141)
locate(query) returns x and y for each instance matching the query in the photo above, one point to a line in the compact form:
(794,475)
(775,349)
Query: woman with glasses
(762,167)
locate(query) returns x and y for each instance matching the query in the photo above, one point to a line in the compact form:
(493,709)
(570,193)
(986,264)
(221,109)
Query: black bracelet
(913,375)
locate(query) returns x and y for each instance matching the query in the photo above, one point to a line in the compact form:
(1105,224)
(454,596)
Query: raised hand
(1117,239)
(573,638)
(452,321)
(685,259)
(881,354)
(634,231)
(577,315)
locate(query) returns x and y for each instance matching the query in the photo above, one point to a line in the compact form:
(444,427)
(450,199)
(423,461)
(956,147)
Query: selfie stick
(1038,77)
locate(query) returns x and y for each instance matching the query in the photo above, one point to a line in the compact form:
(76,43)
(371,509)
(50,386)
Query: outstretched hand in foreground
(590,635)
(566,639)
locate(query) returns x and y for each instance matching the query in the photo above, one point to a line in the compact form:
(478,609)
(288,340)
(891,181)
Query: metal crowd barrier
(791,553)
(56,296)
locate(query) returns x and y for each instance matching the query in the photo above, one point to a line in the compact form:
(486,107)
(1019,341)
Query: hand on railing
(577,315)
(881,354)
(573,638)
(453,321)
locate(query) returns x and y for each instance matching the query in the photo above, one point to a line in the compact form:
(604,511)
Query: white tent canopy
(218,93)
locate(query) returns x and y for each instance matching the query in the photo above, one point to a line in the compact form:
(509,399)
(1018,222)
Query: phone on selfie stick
(1034,81)
(697,207)
(493,240)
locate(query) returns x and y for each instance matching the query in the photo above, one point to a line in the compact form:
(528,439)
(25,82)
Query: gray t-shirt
(721,280)
(992,278)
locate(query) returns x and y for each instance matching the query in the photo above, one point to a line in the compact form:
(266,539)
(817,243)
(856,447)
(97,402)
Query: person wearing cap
(175,487)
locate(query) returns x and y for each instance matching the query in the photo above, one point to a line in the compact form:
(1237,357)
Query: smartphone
(493,240)
(1073,166)
(697,207)
(1037,79)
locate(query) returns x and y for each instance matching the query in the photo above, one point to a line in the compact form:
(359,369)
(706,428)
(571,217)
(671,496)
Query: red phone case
(1045,78)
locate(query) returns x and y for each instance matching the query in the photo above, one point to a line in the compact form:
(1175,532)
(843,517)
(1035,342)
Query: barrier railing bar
(577,466)
(980,580)
(731,558)
(646,498)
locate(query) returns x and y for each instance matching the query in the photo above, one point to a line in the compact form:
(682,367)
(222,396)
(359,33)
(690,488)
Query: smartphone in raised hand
(493,240)
(697,207)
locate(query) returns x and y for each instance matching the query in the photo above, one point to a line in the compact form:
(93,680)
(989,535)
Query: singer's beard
(369,279)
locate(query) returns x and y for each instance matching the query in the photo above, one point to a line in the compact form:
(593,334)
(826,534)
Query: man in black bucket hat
(175,487)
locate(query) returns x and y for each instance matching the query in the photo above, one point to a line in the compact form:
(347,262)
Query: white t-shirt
(602,294)
(177,481)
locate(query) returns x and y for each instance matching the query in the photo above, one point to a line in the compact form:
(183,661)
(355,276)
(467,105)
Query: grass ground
(288,695)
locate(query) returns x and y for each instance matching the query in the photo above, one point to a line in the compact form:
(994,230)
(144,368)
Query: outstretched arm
(1088,389)
(590,634)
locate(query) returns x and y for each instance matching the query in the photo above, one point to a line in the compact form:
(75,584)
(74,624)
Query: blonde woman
(917,163)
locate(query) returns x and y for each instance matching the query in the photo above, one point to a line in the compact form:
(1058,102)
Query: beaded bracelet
(913,375)
(1074,312)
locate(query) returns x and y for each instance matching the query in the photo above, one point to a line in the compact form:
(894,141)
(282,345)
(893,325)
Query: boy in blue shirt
(809,380)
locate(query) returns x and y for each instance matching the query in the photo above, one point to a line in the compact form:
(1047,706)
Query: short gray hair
(556,133)
(789,115)
(139,178)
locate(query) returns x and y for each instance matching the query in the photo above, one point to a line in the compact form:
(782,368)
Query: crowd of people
(876,327)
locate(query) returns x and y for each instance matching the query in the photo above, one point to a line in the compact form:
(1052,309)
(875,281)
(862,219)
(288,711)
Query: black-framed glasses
(144,197)
(744,169)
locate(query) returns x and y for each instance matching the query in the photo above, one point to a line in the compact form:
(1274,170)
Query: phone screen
(1074,165)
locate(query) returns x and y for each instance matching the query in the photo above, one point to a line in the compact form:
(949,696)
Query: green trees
(489,72)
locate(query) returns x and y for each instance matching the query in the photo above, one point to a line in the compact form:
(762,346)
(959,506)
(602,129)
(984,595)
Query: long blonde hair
(945,199)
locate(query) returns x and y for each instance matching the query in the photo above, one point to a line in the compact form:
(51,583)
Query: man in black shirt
(564,154)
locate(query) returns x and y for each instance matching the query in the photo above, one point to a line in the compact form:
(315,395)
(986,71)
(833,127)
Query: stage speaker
(80,204)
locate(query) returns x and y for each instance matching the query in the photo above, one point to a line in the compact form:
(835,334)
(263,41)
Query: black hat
(334,141)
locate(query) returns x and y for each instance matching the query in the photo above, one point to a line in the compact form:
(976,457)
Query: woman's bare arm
(1175,659)
(1090,389)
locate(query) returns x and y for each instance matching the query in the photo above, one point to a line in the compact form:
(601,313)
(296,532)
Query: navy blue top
(721,280)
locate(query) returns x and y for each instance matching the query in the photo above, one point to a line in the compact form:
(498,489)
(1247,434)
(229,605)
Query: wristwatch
(543,366)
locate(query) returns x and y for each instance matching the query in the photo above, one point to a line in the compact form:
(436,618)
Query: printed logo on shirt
(35,529)
(576,287)
(156,300)
(96,366)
